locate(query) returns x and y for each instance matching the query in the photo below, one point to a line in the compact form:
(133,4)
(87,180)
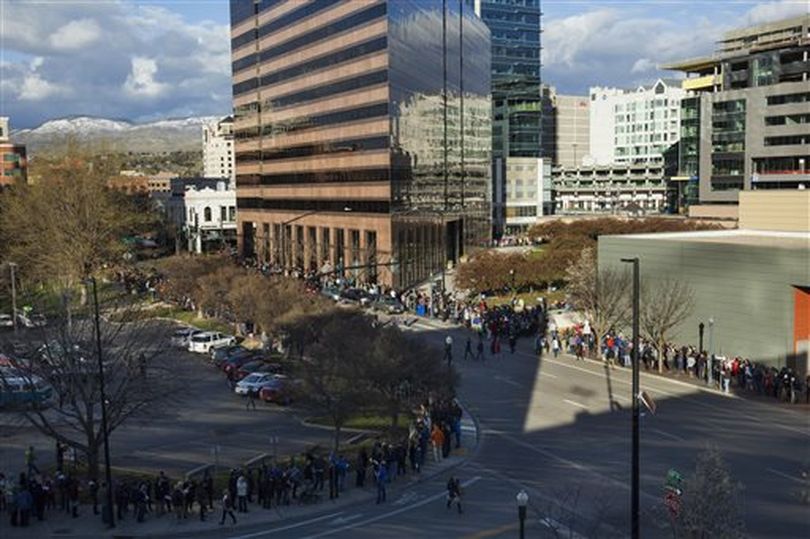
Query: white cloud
(35,88)
(76,34)
(775,11)
(141,80)
(643,65)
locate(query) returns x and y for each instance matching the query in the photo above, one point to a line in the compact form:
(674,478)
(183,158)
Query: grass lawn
(365,422)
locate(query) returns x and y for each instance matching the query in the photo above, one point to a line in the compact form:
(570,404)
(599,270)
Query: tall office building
(745,121)
(218,149)
(363,134)
(516,106)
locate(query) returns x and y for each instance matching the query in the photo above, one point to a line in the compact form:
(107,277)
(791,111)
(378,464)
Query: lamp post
(104,430)
(700,337)
(512,275)
(710,360)
(634,516)
(522,500)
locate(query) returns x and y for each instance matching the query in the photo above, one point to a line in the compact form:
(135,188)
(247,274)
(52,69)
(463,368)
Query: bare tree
(601,295)
(664,306)
(711,503)
(62,361)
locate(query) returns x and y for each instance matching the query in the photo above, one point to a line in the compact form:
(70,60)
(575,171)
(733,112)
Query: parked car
(222,353)
(180,338)
(357,295)
(253,383)
(203,342)
(278,390)
(331,292)
(232,364)
(23,391)
(258,365)
(31,320)
(6,321)
(389,305)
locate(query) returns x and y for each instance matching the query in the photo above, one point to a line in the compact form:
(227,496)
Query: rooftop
(757,238)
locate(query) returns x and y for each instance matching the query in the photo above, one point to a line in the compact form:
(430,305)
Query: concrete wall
(775,210)
(747,289)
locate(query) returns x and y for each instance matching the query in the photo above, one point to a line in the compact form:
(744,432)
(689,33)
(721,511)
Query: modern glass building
(363,134)
(516,103)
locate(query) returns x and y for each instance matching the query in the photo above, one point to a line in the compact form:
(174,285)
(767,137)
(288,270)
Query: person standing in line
(468,353)
(227,507)
(241,493)
(555,346)
(382,479)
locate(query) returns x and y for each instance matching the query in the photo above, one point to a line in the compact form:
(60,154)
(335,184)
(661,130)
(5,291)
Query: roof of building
(756,238)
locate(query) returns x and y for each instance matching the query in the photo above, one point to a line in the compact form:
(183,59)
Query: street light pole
(11,268)
(634,515)
(710,359)
(522,500)
(700,337)
(105,431)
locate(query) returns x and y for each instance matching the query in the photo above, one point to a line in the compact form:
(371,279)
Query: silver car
(181,337)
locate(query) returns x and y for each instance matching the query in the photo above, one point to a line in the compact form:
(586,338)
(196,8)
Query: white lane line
(372,520)
(507,380)
(574,403)
(288,527)
(786,476)
(547,375)
(668,435)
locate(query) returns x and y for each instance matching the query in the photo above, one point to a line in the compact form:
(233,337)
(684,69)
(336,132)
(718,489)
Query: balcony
(700,83)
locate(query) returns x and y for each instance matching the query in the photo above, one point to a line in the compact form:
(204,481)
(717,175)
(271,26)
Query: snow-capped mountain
(158,136)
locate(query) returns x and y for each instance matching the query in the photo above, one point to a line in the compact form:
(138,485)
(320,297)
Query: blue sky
(144,60)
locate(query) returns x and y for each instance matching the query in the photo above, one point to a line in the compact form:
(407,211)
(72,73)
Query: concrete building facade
(13,157)
(205,215)
(566,128)
(363,135)
(751,285)
(634,126)
(218,149)
(528,192)
(611,189)
(750,106)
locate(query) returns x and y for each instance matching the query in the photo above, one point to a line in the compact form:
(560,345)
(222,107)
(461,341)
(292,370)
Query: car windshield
(203,337)
(253,378)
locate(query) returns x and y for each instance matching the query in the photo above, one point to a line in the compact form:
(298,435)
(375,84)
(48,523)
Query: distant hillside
(181,134)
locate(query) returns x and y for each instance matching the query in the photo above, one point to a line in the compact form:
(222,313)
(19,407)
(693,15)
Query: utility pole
(634,516)
(11,268)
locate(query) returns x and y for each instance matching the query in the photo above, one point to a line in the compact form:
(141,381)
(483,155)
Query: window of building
(207,214)
(232,213)
(223,214)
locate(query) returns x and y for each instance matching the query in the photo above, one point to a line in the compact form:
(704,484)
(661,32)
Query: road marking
(668,435)
(492,532)
(786,476)
(468,428)
(288,527)
(407,497)
(507,380)
(574,403)
(547,375)
(390,513)
(344,520)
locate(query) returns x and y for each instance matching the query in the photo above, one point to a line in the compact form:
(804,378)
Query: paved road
(548,426)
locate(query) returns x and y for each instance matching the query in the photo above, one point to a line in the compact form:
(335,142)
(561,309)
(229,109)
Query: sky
(146,60)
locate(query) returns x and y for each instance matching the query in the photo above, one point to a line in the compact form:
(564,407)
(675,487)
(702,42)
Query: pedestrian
(382,479)
(202,499)
(437,442)
(251,399)
(362,463)
(448,350)
(208,485)
(468,353)
(555,346)
(30,461)
(93,488)
(480,348)
(454,493)
(241,493)
(227,507)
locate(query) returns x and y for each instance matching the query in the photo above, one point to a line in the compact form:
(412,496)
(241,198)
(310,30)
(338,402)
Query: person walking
(448,350)
(555,346)
(437,442)
(227,507)
(251,400)
(480,348)
(468,353)
(454,493)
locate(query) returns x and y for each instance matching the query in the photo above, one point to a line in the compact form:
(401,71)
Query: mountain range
(176,134)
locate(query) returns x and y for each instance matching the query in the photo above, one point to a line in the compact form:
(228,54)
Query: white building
(634,126)
(204,215)
(528,192)
(218,150)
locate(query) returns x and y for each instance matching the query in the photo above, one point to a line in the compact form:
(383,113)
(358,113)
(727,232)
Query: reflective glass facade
(515,28)
(363,134)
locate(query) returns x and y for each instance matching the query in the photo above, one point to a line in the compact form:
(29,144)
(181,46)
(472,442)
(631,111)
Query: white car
(253,382)
(6,321)
(181,337)
(203,342)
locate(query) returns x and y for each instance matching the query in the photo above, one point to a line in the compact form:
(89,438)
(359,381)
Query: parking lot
(205,423)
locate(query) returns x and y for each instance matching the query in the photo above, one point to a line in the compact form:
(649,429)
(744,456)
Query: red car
(277,390)
(256,366)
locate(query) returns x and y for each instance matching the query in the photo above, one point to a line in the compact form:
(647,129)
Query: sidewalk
(59,524)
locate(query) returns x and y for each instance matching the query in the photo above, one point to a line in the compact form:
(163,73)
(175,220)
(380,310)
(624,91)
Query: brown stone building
(13,161)
(362,132)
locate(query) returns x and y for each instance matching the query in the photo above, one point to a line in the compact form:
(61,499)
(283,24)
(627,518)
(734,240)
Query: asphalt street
(548,426)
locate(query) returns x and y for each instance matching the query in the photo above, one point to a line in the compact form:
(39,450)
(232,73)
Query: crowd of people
(433,432)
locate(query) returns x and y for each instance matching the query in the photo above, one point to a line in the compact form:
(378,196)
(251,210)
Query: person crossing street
(454,493)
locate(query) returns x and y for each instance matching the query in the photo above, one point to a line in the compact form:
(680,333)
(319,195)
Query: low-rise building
(528,192)
(13,160)
(751,285)
(611,189)
(204,215)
